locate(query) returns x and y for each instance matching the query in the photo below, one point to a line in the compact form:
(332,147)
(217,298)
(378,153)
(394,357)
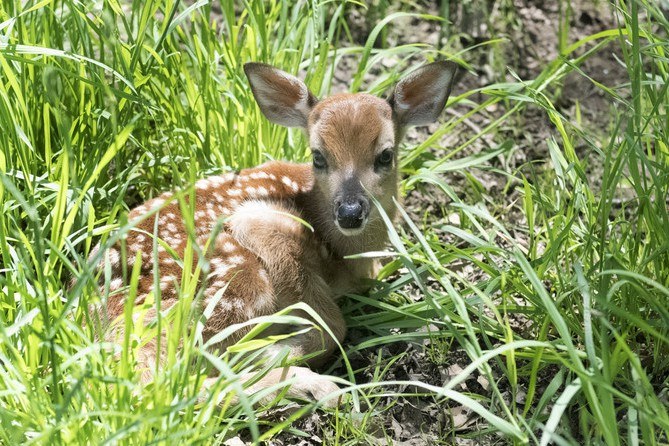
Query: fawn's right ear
(283,98)
(420,97)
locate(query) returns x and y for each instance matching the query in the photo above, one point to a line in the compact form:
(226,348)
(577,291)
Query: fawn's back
(265,191)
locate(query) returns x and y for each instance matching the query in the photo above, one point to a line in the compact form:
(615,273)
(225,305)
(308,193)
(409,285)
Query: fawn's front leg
(291,258)
(292,264)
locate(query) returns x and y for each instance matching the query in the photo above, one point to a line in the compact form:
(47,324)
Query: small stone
(234,441)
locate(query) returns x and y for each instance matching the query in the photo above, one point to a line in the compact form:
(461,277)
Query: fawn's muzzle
(351,207)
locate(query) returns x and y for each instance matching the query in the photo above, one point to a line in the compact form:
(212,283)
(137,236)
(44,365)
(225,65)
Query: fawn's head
(353,137)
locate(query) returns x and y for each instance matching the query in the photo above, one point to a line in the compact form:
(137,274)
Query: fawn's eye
(385,158)
(319,160)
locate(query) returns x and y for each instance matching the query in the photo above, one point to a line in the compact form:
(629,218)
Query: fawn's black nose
(350,214)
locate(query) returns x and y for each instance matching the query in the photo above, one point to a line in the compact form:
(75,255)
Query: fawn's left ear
(283,98)
(420,97)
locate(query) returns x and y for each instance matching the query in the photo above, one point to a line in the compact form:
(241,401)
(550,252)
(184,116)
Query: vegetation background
(525,300)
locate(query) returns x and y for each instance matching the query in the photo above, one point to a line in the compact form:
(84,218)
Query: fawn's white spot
(222,270)
(202,184)
(221,179)
(228,247)
(234,192)
(231,304)
(290,183)
(94,251)
(167,218)
(156,203)
(260,301)
(262,191)
(139,210)
(259,175)
(113,256)
(219,284)
(167,281)
(235,260)
(115,284)
(219,272)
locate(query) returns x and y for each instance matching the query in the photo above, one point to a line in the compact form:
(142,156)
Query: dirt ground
(531,45)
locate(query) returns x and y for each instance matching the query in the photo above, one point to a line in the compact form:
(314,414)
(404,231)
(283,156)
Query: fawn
(263,260)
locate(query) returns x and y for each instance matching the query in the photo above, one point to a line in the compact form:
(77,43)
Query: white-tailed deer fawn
(263,260)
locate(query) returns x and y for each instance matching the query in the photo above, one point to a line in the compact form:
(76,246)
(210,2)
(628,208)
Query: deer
(263,259)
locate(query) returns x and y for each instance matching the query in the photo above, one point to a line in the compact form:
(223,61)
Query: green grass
(101,109)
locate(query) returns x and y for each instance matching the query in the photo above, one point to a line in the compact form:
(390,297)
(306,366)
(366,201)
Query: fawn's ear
(420,97)
(283,98)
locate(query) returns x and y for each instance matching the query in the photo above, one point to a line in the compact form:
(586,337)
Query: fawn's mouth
(349,232)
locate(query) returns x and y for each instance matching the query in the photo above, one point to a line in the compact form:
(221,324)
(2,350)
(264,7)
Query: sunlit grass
(102,107)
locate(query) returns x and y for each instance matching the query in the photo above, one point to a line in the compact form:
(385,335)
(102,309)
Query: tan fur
(263,260)
(350,125)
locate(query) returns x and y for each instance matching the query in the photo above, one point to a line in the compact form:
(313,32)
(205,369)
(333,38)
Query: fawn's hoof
(307,385)
(312,386)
